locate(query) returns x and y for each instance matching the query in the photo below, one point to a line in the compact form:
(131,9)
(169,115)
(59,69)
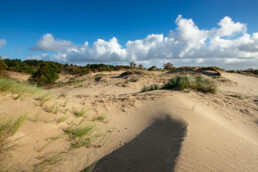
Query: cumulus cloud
(2,42)
(229,46)
(48,43)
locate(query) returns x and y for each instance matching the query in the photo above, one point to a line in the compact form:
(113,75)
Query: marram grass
(17,87)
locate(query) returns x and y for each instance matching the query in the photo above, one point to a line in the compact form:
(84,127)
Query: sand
(162,130)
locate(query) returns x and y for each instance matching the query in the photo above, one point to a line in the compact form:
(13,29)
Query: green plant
(43,98)
(80,136)
(16,87)
(79,132)
(198,82)
(9,126)
(62,95)
(53,108)
(45,74)
(150,88)
(80,113)
(3,66)
(62,119)
(103,118)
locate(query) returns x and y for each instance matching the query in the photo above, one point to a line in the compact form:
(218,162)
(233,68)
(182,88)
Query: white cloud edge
(227,46)
(2,42)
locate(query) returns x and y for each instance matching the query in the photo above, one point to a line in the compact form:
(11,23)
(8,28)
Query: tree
(45,74)
(140,66)
(132,65)
(152,68)
(168,66)
(3,66)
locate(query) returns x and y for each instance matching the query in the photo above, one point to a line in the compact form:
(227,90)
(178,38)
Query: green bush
(45,74)
(150,88)
(3,66)
(198,83)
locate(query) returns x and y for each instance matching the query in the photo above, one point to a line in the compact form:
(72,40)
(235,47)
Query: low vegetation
(80,136)
(150,88)
(80,113)
(8,127)
(102,118)
(45,74)
(17,87)
(199,83)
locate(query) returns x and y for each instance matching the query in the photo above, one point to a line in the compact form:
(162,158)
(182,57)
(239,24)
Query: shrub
(185,82)
(3,66)
(152,68)
(45,74)
(168,66)
(150,88)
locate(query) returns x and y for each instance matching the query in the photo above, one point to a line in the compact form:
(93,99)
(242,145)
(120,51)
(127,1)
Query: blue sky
(24,22)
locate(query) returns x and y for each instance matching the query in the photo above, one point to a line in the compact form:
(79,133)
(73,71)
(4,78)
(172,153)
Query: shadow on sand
(155,150)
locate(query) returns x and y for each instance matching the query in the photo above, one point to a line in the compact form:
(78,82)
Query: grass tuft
(199,83)
(81,113)
(9,126)
(150,88)
(62,119)
(17,87)
(78,132)
(103,118)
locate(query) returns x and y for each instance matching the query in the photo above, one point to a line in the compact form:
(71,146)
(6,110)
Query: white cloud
(48,43)
(2,42)
(229,46)
(43,56)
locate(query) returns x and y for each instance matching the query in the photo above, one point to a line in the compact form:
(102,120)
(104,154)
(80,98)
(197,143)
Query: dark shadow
(155,150)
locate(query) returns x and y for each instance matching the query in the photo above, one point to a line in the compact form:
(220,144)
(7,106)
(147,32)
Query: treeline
(246,72)
(30,66)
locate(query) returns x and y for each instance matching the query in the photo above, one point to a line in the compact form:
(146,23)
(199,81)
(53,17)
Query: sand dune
(162,130)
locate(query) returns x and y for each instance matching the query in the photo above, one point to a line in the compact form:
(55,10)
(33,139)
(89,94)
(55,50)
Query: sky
(220,33)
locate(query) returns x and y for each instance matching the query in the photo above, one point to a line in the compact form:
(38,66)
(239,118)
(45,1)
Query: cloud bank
(228,46)
(2,42)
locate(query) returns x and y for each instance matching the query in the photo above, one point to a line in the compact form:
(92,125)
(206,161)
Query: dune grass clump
(8,127)
(199,83)
(150,88)
(62,119)
(43,98)
(80,136)
(80,113)
(102,118)
(17,87)
(54,108)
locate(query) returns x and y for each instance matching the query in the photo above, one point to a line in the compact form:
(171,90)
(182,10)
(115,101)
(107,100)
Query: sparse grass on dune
(150,88)
(43,98)
(80,136)
(8,127)
(102,118)
(79,132)
(17,87)
(62,119)
(54,108)
(80,113)
(189,82)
